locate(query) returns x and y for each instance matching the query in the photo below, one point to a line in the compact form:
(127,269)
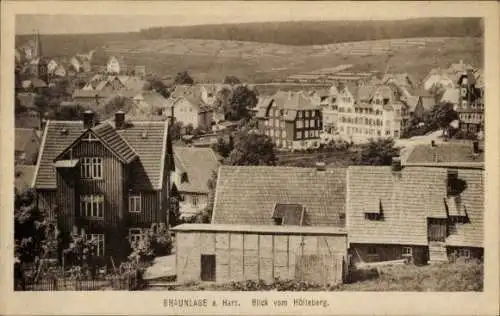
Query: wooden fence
(126,283)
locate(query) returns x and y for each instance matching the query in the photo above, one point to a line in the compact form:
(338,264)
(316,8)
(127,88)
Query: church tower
(37,49)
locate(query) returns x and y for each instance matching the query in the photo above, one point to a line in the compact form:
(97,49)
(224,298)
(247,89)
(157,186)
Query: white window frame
(92,206)
(407,252)
(135,203)
(135,234)
(90,138)
(100,239)
(464,253)
(91,168)
(312,123)
(194,200)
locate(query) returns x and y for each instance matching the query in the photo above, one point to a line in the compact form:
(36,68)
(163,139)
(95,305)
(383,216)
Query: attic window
(288,214)
(376,215)
(452,182)
(64,131)
(184,177)
(89,138)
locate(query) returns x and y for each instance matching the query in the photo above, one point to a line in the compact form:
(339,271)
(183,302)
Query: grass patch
(447,277)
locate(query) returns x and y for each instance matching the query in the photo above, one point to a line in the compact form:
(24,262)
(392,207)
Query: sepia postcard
(291,157)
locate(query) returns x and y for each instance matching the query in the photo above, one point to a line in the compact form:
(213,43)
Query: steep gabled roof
(198,164)
(248,194)
(406,200)
(148,140)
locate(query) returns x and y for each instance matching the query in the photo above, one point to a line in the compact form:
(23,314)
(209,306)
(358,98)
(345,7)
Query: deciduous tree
(240,101)
(377,153)
(252,149)
(183,78)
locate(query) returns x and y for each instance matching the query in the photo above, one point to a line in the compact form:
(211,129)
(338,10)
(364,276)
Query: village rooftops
(249,194)
(144,142)
(264,229)
(440,154)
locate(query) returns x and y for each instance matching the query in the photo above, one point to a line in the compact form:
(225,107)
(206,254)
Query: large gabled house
(424,210)
(111,179)
(292,120)
(188,106)
(265,195)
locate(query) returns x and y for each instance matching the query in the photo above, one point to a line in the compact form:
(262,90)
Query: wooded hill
(323,32)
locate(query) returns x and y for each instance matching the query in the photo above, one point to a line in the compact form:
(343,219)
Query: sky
(179,14)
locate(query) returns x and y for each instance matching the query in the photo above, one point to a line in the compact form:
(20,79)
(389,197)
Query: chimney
(88,119)
(433,143)
(120,120)
(475,147)
(320,166)
(396,164)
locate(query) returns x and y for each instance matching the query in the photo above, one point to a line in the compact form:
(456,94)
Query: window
(307,114)
(313,113)
(92,206)
(299,114)
(312,123)
(90,138)
(91,168)
(99,240)
(407,251)
(307,123)
(464,253)
(283,133)
(298,135)
(134,203)
(134,235)
(194,200)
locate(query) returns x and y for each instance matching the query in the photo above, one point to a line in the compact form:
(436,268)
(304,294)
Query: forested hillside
(323,32)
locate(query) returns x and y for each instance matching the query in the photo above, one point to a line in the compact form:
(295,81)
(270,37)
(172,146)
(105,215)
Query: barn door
(208,267)
(436,229)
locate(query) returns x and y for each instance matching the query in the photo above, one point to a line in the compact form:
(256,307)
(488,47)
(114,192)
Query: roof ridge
(40,153)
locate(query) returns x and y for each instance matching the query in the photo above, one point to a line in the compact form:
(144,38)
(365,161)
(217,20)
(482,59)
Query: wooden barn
(224,253)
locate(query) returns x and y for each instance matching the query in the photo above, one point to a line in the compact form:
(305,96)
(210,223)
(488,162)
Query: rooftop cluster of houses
(114,178)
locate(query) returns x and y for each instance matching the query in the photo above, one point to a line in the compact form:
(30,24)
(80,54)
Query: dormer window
(288,214)
(377,214)
(452,182)
(184,177)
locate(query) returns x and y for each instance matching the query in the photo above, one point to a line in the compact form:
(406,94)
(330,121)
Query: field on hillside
(211,60)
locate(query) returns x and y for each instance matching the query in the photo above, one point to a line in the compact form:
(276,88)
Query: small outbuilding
(224,253)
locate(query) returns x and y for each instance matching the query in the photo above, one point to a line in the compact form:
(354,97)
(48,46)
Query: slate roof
(199,165)
(248,194)
(407,201)
(147,174)
(443,153)
(23,137)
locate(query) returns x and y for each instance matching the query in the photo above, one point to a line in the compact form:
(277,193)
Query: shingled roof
(444,153)
(146,139)
(249,194)
(199,165)
(406,200)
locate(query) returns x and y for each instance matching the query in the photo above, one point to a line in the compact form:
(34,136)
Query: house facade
(471,104)
(111,179)
(189,110)
(115,66)
(194,168)
(423,212)
(291,120)
(375,112)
